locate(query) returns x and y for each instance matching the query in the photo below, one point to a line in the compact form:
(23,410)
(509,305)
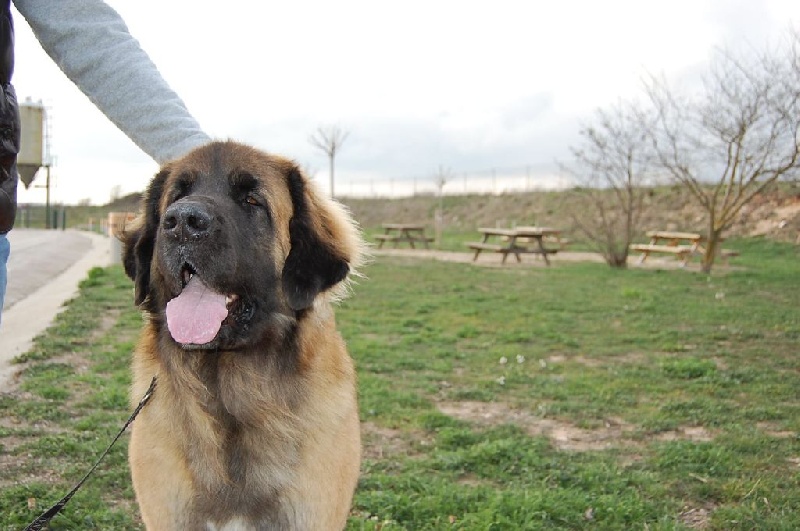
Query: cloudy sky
(419,84)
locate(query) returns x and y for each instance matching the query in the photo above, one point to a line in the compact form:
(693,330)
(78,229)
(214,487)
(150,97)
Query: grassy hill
(775,213)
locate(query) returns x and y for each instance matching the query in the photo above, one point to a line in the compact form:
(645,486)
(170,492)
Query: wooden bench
(397,238)
(409,233)
(385,238)
(561,242)
(478,246)
(672,242)
(682,251)
(505,250)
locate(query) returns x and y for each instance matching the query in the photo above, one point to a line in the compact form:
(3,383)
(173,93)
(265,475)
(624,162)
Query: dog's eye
(251,200)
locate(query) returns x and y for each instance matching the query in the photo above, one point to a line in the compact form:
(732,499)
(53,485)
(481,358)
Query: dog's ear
(324,244)
(139,241)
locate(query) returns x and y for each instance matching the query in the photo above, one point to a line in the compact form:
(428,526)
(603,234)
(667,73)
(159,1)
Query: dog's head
(230,239)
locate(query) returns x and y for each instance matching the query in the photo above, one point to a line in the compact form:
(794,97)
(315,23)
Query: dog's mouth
(198,313)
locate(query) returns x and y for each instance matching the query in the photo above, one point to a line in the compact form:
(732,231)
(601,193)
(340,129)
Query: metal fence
(492,181)
(41,217)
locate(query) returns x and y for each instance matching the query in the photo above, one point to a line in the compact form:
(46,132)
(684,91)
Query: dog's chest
(253,515)
(242,524)
(251,493)
(235,524)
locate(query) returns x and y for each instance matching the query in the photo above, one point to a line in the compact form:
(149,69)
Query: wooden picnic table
(410,233)
(682,244)
(516,241)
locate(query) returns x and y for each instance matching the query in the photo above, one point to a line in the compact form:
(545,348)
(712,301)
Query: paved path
(44,271)
(488,259)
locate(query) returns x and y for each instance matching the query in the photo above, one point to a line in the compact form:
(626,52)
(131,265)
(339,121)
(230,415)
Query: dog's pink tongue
(195,316)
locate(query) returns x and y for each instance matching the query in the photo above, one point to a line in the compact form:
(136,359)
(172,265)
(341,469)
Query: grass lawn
(569,397)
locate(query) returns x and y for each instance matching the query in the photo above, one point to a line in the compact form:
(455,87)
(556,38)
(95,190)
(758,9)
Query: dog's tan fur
(232,439)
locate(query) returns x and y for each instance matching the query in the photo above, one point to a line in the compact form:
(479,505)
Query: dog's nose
(187,220)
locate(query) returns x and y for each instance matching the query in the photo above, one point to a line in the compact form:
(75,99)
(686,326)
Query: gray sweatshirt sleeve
(90,42)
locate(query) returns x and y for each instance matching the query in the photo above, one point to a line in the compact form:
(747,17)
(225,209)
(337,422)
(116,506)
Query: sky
(419,85)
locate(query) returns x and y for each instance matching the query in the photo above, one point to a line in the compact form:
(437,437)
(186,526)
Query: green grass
(569,397)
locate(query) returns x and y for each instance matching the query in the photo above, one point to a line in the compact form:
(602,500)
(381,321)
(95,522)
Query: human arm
(91,44)
(9,129)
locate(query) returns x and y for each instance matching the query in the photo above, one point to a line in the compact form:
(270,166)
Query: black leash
(46,516)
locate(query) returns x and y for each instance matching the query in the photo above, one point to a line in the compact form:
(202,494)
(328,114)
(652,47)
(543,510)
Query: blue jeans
(5,247)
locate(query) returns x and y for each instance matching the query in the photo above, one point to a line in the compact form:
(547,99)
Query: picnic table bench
(397,233)
(516,241)
(554,239)
(682,244)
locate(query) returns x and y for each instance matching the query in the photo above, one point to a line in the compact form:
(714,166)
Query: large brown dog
(254,423)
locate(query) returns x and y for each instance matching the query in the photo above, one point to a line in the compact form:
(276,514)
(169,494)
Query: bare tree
(329,140)
(610,169)
(738,135)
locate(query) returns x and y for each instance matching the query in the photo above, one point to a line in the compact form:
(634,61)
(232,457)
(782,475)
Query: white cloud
(465,84)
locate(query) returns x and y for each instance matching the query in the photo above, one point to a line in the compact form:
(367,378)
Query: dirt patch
(379,442)
(566,436)
(772,217)
(771,429)
(494,260)
(686,433)
(696,517)
(572,438)
(633,357)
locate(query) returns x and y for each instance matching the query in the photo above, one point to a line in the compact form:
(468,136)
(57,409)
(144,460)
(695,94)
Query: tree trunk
(712,249)
(617,259)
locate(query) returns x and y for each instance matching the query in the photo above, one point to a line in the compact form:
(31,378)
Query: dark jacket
(9,122)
